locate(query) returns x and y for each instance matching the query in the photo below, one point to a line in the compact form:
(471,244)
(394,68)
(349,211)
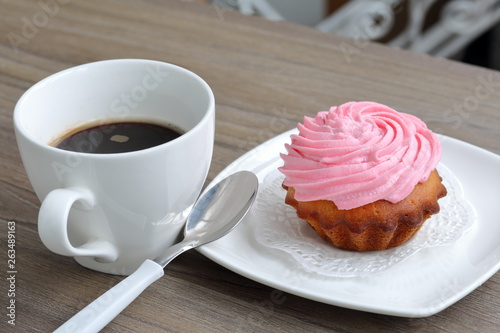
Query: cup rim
(209,113)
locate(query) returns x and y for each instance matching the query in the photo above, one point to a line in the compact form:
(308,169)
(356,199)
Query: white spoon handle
(100,312)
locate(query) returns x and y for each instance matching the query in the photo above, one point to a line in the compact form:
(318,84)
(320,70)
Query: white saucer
(422,285)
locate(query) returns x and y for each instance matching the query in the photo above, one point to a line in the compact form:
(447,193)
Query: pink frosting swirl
(359,153)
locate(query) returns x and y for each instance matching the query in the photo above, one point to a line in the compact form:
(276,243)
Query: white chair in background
(438,27)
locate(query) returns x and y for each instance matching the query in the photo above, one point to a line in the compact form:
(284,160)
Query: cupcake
(363,175)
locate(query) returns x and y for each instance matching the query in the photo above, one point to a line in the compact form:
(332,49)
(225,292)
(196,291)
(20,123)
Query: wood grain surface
(265,76)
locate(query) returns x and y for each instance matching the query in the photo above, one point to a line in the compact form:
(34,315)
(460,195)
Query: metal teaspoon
(215,214)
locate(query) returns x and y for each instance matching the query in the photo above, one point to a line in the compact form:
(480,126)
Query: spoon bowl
(208,220)
(216,213)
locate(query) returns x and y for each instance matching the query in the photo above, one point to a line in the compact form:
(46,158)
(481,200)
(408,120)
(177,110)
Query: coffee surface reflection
(117,137)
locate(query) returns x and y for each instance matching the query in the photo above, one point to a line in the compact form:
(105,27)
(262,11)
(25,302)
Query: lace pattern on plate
(279,227)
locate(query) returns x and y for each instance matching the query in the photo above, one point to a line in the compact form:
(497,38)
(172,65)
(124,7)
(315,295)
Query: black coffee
(119,137)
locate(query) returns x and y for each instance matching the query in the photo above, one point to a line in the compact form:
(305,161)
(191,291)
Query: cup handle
(53,225)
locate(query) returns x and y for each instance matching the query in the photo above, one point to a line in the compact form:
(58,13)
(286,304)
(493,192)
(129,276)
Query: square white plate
(422,285)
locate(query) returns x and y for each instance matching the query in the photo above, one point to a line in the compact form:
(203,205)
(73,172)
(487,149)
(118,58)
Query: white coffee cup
(113,211)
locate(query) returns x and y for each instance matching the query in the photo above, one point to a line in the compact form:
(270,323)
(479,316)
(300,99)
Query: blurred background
(465,30)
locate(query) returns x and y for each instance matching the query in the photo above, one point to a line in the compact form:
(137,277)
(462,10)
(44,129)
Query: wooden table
(265,76)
